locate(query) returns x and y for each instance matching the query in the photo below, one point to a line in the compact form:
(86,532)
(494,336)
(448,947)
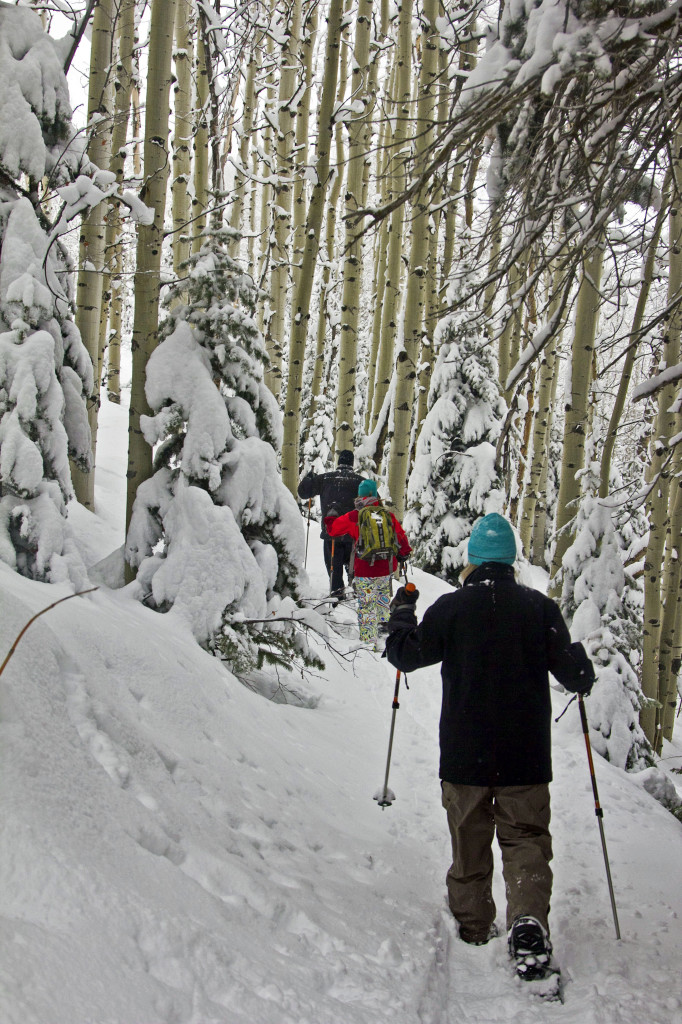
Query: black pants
(343,547)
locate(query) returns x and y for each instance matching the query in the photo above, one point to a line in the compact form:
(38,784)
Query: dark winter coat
(348,525)
(497,641)
(337,491)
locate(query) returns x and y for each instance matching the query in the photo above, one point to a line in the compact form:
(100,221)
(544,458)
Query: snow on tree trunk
(215,534)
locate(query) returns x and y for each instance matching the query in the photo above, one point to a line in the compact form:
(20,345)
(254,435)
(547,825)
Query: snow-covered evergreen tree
(45,371)
(214,533)
(454,479)
(603,603)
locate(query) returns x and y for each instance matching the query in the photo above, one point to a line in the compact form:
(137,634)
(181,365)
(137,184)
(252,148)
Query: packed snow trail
(176,849)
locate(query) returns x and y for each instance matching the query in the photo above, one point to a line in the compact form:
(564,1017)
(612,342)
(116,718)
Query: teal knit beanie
(367,489)
(492,540)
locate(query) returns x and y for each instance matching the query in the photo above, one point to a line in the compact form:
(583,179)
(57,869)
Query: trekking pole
(386,796)
(331,567)
(598,809)
(307,534)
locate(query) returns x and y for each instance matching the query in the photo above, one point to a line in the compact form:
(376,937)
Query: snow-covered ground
(176,849)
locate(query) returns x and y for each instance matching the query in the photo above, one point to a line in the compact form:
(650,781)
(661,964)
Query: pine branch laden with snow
(454,479)
(604,606)
(45,370)
(45,374)
(215,534)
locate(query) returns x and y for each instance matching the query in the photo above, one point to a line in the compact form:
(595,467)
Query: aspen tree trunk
(301,302)
(539,522)
(245,133)
(150,239)
(541,425)
(431,304)
(577,403)
(358,139)
(123,91)
(281,254)
(468,58)
(200,197)
(432,290)
(630,356)
(672,578)
(182,133)
(321,375)
(381,358)
(406,363)
(302,133)
(377,306)
(398,147)
(92,239)
(267,173)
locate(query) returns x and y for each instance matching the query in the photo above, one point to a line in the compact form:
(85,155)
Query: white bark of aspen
(672,578)
(406,363)
(182,133)
(301,299)
(381,356)
(123,93)
(540,516)
(358,141)
(239,187)
(200,196)
(150,238)
(397,181)
(281,252)
(631,354)
(325,338)
(577,402)
(267,165)
(309,32)
(92,238)
(542,420)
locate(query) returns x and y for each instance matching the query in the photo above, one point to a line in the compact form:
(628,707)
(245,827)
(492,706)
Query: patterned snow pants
(374,598)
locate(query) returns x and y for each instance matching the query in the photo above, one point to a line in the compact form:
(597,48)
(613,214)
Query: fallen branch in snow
(36,616)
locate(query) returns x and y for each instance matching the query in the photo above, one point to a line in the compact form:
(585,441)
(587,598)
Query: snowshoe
(531,953)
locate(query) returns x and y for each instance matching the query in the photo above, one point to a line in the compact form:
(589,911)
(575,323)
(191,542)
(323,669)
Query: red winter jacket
(348,524)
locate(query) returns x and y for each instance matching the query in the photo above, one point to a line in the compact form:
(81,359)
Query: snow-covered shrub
(214,533)
(604,606)
(454,479)
(45,371)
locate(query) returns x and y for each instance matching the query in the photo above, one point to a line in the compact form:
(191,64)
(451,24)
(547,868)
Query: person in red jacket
(372,579)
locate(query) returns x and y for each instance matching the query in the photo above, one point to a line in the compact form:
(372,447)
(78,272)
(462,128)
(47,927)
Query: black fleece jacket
(497,641)
(337,489)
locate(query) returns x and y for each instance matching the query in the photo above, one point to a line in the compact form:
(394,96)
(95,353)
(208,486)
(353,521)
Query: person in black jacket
(337,491)
(497,641)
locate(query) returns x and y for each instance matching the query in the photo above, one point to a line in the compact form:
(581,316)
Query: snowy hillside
(176,849)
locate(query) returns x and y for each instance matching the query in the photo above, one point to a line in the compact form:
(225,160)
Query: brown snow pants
(520,815)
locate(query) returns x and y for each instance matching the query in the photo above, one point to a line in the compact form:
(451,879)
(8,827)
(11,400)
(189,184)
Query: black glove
(406,595)
(402,559)
(403,609)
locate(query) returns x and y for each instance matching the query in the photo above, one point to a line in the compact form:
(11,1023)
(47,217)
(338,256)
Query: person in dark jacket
(337,491)
(497,641)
